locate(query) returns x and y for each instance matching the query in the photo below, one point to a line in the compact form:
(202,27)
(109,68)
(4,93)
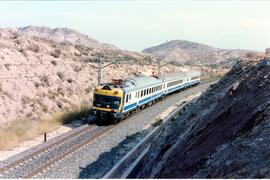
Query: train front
(107,103)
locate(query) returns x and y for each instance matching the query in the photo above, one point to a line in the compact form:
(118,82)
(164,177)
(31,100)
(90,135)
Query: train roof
(141,82)
(133,84)
(172,76)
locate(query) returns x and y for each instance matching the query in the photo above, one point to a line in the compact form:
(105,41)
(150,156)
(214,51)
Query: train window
(144,92)
(141,93)
(129,96)
(126,98)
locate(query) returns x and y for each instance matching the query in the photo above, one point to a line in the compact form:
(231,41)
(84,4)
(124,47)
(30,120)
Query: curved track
(39,161)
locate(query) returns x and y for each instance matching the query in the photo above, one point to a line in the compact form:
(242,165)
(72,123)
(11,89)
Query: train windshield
(111,102)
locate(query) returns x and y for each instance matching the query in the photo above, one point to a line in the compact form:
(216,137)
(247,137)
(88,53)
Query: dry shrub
(54,62)
(14,35)
(77,54)
(61,91)
(67,116)
(61,75)
(45,81)
(25,100)
(20,49)
(7,66)
(52,94)
(69,80)
(77,68)
(82,49)
(22,130)
(56,53)
(157,122)
(89,89)
(33,47)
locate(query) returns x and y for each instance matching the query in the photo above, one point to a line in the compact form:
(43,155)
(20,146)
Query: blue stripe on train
(181,86)
(143,101)
(130,106)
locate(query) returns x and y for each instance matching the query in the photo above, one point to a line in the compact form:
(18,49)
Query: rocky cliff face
(196,53)
(222,134)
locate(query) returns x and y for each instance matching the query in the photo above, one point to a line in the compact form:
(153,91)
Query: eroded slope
(223,134)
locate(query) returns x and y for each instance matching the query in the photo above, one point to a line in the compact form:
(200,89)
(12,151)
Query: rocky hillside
(64,34)
(195,53)
(39,77)
(222,134)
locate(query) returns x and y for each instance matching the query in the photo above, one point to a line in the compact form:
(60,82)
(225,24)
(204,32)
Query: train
(120,98)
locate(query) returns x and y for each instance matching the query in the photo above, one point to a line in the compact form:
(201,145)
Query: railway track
(100,132)
(129,164)
(36,154)
(41,160)
(95,137)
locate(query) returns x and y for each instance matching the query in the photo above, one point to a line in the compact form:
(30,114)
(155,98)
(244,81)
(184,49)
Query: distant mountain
(195,53)
(64,34)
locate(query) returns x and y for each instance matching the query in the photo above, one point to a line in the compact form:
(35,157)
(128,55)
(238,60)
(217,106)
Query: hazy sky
(135,25)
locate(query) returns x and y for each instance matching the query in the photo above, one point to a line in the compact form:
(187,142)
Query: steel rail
(81,145)
(20,162)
